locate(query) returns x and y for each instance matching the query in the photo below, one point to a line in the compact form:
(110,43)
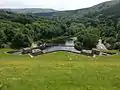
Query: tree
(21,41)
(88,38)
(75,28)
(111,41)
(10,33)
(117,45)
(2,38)
(109,32)
(118,36)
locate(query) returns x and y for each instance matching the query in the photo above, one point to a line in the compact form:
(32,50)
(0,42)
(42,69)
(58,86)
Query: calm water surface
(68,46)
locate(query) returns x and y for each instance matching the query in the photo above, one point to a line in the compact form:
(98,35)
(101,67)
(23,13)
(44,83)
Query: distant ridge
(71,13)
(81,12)
(30,10)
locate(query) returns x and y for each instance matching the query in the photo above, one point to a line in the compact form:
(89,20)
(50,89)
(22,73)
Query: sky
(53,4)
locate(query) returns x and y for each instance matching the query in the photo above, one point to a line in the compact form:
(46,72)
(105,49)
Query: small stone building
(95,51)
(36,52)
(87,52)
(26,50)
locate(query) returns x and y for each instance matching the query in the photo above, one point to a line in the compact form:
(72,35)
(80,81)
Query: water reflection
(69,46)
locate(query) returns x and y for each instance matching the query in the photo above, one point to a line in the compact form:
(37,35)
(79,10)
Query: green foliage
(58,40)
(76,27)
(117,46)
(78,45)
(111,41)
(2,38)
(87,24)
(118,36)
(14,26)
(21,41)
(88,38)
(109,32)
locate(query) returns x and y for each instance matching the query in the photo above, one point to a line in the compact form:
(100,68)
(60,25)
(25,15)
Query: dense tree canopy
(21,30)
(88,38)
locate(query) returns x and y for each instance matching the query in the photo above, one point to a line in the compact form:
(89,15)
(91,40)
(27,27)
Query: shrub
(117,46)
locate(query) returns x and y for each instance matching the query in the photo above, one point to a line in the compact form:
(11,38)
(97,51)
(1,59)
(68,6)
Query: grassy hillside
(56,71)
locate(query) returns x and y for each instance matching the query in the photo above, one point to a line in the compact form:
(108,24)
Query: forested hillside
(81,12)
(21,30)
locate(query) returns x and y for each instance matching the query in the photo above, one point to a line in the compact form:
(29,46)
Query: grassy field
(59,71)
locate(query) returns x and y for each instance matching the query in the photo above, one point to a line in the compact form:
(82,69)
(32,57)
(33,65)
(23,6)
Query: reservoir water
(68,46)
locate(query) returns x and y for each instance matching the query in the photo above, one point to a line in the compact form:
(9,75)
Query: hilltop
(81,12)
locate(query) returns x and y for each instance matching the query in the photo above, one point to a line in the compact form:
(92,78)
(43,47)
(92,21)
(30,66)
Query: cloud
(55,4)
(11,4)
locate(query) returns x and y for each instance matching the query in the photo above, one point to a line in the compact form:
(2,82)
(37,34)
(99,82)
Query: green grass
(110,51)
(59,71)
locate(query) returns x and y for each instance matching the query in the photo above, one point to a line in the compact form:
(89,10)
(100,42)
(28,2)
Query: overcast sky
(54,4)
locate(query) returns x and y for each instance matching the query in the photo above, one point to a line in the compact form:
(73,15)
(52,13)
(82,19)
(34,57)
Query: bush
(89,37)
(117,46)
(111,41)
(21,41)
(78,45)
(88,40)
